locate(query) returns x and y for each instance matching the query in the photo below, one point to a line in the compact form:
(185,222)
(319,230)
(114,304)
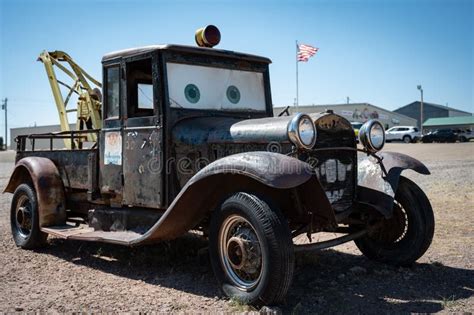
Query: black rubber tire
(406,139)
(35,238)
(463,139)
(419,232)
(276,245)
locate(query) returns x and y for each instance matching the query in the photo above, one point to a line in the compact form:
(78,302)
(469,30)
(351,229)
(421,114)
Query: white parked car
(464,135)
(406,134)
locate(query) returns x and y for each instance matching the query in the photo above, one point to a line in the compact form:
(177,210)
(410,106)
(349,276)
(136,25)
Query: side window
(112,102)
(415,129)
(140,88)
(145,96)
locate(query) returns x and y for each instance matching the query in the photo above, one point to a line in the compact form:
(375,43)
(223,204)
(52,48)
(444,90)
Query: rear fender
(378,179)
(46,180)
(252,171)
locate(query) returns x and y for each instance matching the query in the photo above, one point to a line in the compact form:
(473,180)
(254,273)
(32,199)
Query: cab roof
(184,49)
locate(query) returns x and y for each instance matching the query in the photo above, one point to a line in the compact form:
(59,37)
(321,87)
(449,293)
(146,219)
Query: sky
(374,51)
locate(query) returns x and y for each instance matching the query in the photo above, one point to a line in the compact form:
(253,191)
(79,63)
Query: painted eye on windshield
(233,94)
(192,93)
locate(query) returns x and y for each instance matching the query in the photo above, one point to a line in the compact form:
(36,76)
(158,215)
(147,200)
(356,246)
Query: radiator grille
(334,159)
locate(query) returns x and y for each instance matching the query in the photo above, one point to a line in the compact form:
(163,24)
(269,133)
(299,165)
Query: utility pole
(421,108)
(348,99)
(4,107)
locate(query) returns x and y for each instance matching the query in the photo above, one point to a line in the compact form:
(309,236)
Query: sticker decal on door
(113,148)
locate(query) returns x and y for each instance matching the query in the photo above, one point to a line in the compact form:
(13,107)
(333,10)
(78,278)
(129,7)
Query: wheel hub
(244,252)
(23,217)
(240,253)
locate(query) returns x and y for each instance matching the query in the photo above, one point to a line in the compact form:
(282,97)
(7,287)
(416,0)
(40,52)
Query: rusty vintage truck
(190,142)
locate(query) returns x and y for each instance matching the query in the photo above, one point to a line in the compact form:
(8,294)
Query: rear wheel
(463,139)
(406,236)
(406,139)
(24,219)
(251,250)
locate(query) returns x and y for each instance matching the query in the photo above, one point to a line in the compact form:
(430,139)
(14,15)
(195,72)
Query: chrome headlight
(302,132)
(372,135)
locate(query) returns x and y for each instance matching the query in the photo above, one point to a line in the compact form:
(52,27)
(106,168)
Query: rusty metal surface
(183,49)
(378,184)
(197,131)
(142,157)
(272,169)
(240,172)
(73,165)
(48,185)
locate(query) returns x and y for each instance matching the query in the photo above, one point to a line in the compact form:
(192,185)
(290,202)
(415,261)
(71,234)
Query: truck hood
(210,130)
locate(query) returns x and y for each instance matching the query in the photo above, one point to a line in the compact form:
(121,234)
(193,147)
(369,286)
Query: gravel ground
(176,276)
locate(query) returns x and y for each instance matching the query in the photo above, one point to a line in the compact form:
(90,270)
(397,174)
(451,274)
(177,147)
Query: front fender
(252,171)
(45,178)
(378,181)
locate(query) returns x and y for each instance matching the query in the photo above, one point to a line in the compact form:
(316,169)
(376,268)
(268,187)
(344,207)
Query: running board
(87,233)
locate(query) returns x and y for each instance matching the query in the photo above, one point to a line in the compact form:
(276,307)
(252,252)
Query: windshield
(208,88)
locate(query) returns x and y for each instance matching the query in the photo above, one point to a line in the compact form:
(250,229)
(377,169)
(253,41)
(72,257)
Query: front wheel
(24,219)
(406,236)
(251,250)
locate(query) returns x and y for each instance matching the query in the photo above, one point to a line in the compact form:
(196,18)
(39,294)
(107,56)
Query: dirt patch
(176,276)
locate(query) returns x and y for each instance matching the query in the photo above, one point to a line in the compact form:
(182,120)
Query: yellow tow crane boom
(87,88)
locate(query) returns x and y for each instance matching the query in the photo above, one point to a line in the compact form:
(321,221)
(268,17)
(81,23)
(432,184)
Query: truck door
(111,180)
(142,154)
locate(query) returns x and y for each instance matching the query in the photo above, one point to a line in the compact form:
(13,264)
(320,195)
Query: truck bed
(77,166)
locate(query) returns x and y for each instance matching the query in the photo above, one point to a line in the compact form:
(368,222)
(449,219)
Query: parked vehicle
(406,134)
(465,135)
(189,142)
(441,135)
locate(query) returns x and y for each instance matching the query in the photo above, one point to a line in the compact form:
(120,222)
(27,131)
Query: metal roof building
(430,110)
(460,122)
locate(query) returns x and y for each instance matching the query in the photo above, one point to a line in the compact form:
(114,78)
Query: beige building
(39,143)
(357,112)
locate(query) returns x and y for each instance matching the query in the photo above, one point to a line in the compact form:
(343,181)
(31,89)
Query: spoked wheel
(406,139)
(240,252)
(405,237)
(251,250)
(24,218)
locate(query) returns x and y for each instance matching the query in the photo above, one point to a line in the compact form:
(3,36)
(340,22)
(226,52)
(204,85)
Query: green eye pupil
(233,94)
(192,94)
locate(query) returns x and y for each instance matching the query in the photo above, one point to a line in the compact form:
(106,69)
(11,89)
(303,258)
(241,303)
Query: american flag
(305,52)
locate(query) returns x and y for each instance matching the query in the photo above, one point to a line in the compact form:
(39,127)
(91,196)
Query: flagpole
(297,96)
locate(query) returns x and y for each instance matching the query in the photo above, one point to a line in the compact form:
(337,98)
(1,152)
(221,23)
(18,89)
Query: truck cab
(148,92)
